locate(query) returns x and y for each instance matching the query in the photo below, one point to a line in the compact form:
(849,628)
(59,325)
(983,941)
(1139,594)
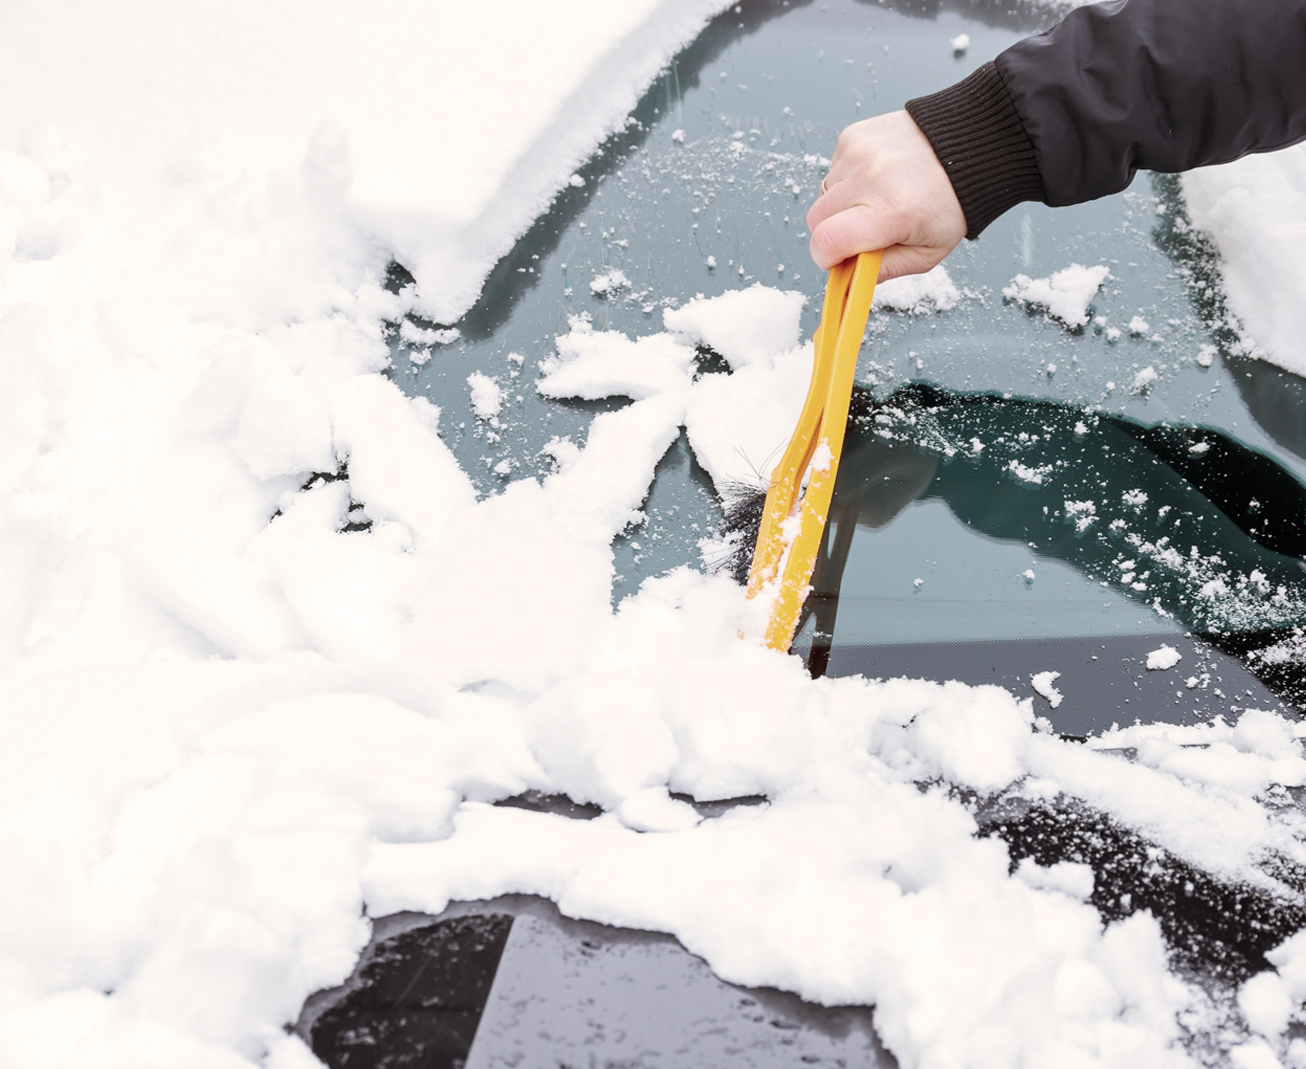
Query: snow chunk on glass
(1065,295)
(592,364)
(1165,657)
(487,396)
(1042,684)
(744,326)
(933,291)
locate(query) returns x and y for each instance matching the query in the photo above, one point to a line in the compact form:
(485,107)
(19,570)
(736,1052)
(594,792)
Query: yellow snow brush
(793,518)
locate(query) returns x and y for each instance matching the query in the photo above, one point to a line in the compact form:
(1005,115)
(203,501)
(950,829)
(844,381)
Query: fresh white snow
(933,291)
(1255,211)
(231,727)
(1065,295)
(1161,659)
(1042,682)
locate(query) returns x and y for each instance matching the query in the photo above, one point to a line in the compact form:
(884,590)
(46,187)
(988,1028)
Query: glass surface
(1009,478)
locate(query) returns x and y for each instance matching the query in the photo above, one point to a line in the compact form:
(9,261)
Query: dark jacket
(1166,85)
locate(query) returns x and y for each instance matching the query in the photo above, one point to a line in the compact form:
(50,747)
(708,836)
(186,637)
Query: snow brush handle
(793,519)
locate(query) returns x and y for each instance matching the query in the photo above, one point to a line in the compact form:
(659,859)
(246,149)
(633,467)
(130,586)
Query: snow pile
(917,294)
(1065,295)
(219,102)
(237,718)
(1255,211)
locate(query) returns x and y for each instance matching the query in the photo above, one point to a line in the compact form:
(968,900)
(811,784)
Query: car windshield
(1091,474)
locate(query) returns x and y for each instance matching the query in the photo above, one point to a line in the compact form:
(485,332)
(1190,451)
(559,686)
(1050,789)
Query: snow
(1042,682)
(609,282)
(487,396)
(1255,212)
(960,43)
(742,325)
(1065,294)
(234,730)
(1144,378)
(1161,659)
(592,364)
(933,291)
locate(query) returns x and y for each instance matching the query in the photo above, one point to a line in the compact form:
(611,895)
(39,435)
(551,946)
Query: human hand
(886,190)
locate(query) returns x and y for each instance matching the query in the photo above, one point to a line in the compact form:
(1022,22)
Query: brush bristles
(739,529)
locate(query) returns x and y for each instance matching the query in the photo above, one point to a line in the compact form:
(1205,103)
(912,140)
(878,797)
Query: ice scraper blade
(798,499)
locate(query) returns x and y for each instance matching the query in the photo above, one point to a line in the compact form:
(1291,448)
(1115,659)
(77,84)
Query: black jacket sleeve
(1166,85)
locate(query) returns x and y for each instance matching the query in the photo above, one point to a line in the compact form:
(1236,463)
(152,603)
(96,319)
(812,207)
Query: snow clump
(1164,658)
(609,282)
(487,396)
(744,326)
(1065,295)
(1042,683)
(933,291)
(592,364)
(1144,380)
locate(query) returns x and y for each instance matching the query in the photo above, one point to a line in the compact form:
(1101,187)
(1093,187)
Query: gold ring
(823,189)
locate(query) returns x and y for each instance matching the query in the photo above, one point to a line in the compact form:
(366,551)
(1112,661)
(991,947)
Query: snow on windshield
(249,702)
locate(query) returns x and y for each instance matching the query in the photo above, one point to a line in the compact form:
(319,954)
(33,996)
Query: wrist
(979,139)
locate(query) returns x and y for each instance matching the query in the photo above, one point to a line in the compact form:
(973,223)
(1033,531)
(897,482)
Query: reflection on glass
(1188,523)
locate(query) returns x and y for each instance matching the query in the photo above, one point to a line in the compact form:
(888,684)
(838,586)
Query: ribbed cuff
(981,143)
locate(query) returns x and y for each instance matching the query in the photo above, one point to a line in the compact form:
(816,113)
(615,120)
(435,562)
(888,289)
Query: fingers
(902,260)
(886,190)
(858,228)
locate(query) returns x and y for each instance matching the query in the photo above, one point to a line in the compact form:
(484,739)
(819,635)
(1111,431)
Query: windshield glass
(1057,438)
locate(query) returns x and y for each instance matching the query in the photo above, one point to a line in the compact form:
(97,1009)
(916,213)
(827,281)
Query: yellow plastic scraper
(793,518)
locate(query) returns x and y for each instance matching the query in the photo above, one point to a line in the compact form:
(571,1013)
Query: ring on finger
(824,189)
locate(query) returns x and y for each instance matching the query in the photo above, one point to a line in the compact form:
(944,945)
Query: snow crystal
(960,43)
(1199,448)
(678,136)
(1042,683)
(1065,294)
(933,291)
(1138,325)
(1206,355)
(1163,658)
